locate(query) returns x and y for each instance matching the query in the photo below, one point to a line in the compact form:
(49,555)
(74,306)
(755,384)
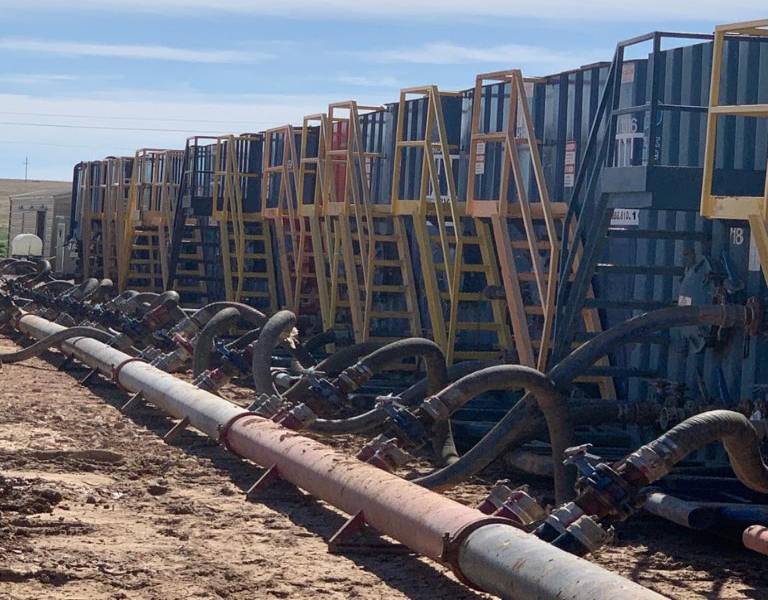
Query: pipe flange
(225,429)
(452,543)
(117,368)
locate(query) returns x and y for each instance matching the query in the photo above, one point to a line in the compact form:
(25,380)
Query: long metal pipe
(484,552)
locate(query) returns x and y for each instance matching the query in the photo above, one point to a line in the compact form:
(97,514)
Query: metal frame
(501,210)
(243,230)
(431,207)
(751,208)
(280,167)
(155,181)
(588,217)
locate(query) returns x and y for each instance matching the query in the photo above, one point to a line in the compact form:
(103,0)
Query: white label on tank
(754,256)
(625,216)
(480,165)
(569,171)
(480,148)
(684,301)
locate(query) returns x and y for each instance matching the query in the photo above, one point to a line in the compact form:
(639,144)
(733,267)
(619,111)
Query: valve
(211,380)
(514,504)
(384,452)
(296,418)
(324,390)
(406,426)
(266,405)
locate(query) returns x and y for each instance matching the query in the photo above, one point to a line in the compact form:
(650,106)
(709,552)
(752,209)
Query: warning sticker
(623,217)
(684,301)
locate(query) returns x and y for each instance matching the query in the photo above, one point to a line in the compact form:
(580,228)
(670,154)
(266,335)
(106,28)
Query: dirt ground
(94,504)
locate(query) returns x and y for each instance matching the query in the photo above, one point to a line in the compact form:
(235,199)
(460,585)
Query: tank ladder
(436,212)
(377,275)
(192,262)
(312,264)
(118,184)
(151,201)
(246,240)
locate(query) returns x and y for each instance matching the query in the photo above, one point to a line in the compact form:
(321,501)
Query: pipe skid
(490,553)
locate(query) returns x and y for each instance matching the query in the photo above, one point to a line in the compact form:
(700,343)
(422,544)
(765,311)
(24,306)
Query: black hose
(83,291)
(245,340)
(54,339)
(12,267)
(512,429)
(42,270)
(164,297)
(550,401)
(216,325)
(586,355)
(732,429)
(319,340)
(272,334)
(376,416)
(249,314)
(55,286)
(104,290)
(437,377)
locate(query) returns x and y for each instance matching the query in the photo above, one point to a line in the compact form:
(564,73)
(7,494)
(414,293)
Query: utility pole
(26,167)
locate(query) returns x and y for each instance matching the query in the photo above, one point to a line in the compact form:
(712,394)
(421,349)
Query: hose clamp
(119,367)
(436,408)
(651,464)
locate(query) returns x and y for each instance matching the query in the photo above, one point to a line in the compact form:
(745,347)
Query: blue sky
(82,80)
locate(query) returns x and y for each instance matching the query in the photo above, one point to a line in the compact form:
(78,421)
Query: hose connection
(514,504)
(385,453)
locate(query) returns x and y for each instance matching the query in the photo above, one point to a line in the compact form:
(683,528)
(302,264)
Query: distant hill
(11,187)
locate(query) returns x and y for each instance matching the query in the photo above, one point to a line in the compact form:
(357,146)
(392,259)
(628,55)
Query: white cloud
(603,10)
(144,52)
(33,78)
(52,151)
(369,81)
(447,53)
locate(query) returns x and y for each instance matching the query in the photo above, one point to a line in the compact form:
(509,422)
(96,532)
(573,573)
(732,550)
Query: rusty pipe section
(487,553)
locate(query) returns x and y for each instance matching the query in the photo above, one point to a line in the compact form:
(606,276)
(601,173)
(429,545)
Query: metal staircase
(455,252)
(279,191)
(507,188)
(371,273)
(92,191)
(313,268)
(194,245)
(246,240)
(597,218)
(118,184)
(149,216)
